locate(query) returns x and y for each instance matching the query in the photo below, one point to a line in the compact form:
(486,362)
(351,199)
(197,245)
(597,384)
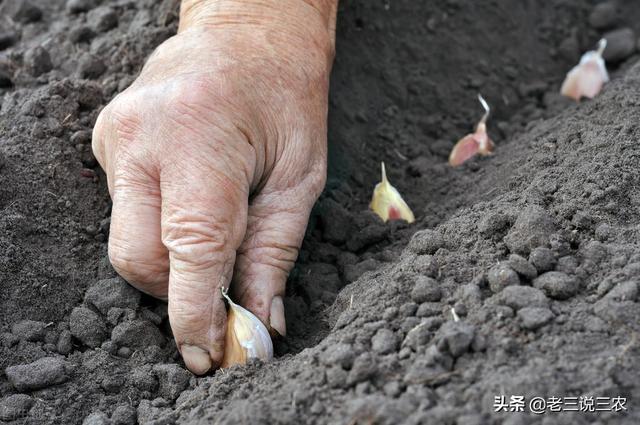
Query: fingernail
(197,360)
(276,318)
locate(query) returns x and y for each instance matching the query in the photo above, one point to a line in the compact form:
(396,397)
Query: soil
(519,277)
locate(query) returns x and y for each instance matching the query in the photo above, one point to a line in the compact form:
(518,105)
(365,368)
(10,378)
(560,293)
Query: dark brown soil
(535,248)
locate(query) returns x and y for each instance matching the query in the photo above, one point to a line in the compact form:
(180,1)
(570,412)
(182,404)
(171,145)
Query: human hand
(214,157)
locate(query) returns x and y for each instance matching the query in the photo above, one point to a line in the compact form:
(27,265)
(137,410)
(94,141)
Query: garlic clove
(388,203)
(465,149)
(246,338)
(588,77)
(477,143)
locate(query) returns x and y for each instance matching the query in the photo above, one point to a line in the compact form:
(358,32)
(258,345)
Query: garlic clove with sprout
(387,202)
(477,143)
(246,338)
(588,77)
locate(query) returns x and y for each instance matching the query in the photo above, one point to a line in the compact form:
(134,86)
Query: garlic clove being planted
(588,77)
(246,337)
(477,143)
(387,202)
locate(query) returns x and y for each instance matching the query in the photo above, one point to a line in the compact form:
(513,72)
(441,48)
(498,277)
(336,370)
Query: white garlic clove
(388,203)
(477,143)
(588,77)
(246,338)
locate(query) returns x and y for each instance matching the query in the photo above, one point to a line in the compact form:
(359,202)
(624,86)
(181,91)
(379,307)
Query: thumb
(202,226)
(275,229)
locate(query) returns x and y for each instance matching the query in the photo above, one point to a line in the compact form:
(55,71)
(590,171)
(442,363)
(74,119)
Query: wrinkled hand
(214,158)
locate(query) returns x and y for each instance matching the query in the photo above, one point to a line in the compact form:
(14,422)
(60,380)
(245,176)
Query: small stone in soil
(417,337)
(500,276)
(8,340)
(543,259)
(432,366)
(37,61)
(82,34)
(29,330)
(109,347)
(124,414)
(408,309)
(336,377)
(493,224)
(42,373)
(339,354)
(392,388)
(173,380)
(364,367)
(389,313)
(112,383)
(5,81)
(371,234)
(567,264)
(137,334)
(522,266)
(426,241)
(469,294)
(143,379)
(91,67)
(22,11)
(97,418)
(604,15)
(64,345)
(455,337)
(518,297)
(336,221)
(102,19)
(77,6)
(534,317)
(7,39)
(615,312)
(623,291)
(429,309)
(148,413)
(87,326)
(15,407)
(81,137)
(621,44)
(557,285)
(532,228)
(426,265)
(113,292)
(124,352)
(425,289)
(353,271)
(384,341)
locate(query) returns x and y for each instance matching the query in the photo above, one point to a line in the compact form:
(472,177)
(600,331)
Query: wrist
(302,17)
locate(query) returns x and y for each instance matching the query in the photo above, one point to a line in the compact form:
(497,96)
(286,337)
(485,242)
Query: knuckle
(277,256)
(269,252)
(126,124)
(193,309)
(317,182)
(196,239)
(188,309)
(134,268)
(198,102)
(118,123)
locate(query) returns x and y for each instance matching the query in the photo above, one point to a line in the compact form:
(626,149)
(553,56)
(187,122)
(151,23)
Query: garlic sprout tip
(602,44)
(486,107)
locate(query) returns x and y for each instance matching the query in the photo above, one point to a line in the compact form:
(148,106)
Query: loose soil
(519,278)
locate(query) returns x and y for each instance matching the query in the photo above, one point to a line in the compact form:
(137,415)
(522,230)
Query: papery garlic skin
(387,202)
(477,143)
(588,77)
(246,338)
